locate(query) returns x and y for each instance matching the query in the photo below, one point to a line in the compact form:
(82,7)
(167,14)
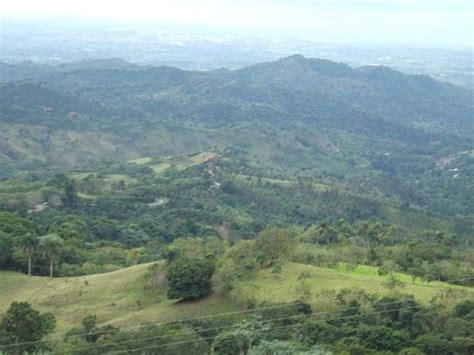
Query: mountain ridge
(382,125)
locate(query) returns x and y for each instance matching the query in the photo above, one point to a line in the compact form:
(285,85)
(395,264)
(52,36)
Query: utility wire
(190,319)
(262,330)
(229,326)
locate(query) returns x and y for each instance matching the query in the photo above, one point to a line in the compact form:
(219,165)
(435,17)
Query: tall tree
(22,328)
(273,245)
(70,198)
(5,250)
(29,244)
(51,246)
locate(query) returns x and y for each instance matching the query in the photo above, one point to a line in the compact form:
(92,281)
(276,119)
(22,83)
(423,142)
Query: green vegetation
(25,327)
(300,206)
(130,296)
(371,130)
(137,295)
(265,238)
(189,278)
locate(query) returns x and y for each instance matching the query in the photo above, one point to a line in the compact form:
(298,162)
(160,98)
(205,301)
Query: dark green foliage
(371,130)
(189,278)
(228,344)
(90,332)
(434,344)
(70,198)
(278,347)
(99,230)
(382,338)
(5,250)
(464,310)
(355,161)
(168,340)
(285,314)
(23,324)
(15,226)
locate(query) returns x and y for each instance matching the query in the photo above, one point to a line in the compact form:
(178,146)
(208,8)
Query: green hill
(117,297)
(372,129)
(135,295)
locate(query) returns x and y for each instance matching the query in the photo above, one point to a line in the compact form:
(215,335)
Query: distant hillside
(371,129)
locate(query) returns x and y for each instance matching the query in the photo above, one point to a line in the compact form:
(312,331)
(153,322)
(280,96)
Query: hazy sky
(430,22)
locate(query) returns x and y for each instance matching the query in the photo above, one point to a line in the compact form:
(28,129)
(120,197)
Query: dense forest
(300,206)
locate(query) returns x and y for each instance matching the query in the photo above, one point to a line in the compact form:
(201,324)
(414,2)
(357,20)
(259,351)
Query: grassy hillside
(135,295)
(117,297)
(282,287)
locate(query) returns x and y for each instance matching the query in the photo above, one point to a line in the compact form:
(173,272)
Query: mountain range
(370,129)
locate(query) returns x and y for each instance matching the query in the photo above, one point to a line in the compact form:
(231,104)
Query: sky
(427,22)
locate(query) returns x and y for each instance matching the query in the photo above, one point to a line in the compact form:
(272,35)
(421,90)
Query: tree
(70,227)
(272,245)
(464,309)
(393,282)
(23,327)
(70,198)
(5,250)
(372,234)
(251,330)
(14,226)
(242,339)
(303,289)
(189,278)
(89,332)
(228,344)
(434,344)
(282,348)
(51,245)
(382,338)
(135,254)
(322,233)
(29,244)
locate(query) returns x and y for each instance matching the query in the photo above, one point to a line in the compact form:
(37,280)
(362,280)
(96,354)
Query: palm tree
(51,245)
(29,243)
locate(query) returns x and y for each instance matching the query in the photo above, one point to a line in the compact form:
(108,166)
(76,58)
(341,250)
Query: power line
(235,325)
(229,326)
(163,323)
(188,319)
(263,330)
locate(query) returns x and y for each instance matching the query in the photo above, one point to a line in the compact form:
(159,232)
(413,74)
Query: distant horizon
(110,25)
(420,23)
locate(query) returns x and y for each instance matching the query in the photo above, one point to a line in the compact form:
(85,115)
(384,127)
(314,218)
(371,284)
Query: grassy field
(118,297)
(179,163)
(130,296)
(283,287)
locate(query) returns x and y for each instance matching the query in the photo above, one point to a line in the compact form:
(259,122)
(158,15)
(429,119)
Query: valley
(315,206)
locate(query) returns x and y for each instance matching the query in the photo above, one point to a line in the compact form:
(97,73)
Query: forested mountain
(370,129)
(308,206)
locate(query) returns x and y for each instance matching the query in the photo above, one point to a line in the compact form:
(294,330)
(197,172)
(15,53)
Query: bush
(189,278)
(228,344)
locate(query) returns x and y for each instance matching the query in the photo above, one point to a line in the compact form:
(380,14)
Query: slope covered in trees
(348,184)
(371,129)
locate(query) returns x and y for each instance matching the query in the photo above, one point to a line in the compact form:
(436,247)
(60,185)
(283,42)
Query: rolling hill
(370,129)
(135,295)
(297,179)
